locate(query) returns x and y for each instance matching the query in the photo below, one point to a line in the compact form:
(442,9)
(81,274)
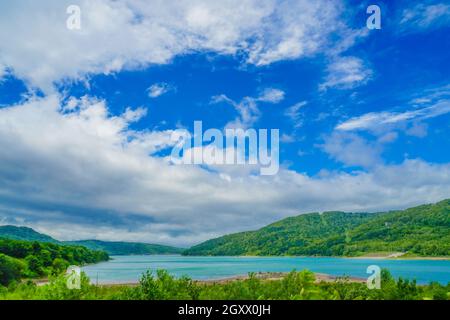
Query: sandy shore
(274,276)
(397,256)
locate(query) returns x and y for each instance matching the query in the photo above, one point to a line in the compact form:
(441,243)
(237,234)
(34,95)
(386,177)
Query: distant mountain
(421,231)
(126,248)
(112,248)
(24,233)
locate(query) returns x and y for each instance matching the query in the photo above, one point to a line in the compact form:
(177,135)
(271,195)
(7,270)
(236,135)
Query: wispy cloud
(423,16)
(375,120)
(271,95)
(248,108)
(294,114)
(346,73)
(159,89)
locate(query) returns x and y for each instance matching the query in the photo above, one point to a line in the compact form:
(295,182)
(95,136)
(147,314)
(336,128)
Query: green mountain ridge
(125,248)
(420,231)
(111,247)
(25,234)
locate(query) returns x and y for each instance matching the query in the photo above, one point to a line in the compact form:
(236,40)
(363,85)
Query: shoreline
(374,256)
(400,258)
(274,275)
(265,276)
(368,256)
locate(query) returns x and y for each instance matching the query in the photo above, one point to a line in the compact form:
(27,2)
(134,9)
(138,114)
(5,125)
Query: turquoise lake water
(125,269)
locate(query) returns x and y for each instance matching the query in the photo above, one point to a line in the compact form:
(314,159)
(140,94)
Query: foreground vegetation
(295,286)
(419,231)
(27,259)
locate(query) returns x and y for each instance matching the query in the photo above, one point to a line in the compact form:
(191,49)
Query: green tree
(10,269)
(59,266)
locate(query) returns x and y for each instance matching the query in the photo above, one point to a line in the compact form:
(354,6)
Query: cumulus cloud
(71,169)
(346,73)
(74,171)
(132,34)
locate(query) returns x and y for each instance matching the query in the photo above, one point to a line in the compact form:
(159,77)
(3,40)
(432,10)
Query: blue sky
(364,115)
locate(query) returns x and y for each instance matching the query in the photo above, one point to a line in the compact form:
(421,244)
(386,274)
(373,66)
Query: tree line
(32,259)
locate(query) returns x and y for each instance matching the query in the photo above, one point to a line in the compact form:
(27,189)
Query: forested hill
(421,231)
(127,248)
(31,259)
(24,233)
(112,248)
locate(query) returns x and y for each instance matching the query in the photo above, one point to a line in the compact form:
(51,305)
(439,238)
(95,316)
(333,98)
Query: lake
(128,269)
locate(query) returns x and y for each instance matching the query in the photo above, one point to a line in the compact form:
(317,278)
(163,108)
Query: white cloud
(77,172)
(426,16)
(352,150)
(133,34)
(346,145)
(131,115)
(287,138)
(294,114)
(271,95)
(346,73)
(2,71)
(159,89)
(74,171)
(297,29)
(248,107)
(419,130)
(388,137)
(379,120)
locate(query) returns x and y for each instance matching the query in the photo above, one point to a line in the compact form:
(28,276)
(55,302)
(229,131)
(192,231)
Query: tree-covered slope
(24,233)
(127,248)
(31,259)
(423,230)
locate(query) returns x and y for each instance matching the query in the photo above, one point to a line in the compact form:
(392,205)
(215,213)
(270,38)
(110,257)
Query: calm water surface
(124,269)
